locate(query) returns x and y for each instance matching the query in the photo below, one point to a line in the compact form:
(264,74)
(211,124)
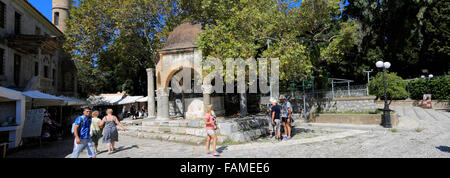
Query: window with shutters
(17,23)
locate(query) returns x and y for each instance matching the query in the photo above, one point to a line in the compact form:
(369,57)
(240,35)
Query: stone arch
(164,77)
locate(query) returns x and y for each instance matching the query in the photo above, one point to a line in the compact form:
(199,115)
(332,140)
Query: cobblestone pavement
(423,133)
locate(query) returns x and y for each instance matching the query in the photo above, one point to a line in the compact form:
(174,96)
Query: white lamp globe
(387,65)
(422,76)
(379,64)
(430,76)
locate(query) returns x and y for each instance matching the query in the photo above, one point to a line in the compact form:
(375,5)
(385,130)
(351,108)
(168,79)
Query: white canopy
(130,99)
(104,100)
(42,99)
(7,94)
(141,100)
(69,101)
(144,99)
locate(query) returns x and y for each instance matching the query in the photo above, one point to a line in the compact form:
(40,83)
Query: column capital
(207,89)
(150,70)
(164,91)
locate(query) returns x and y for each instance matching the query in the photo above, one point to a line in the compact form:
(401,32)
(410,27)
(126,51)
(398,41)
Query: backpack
(83,119)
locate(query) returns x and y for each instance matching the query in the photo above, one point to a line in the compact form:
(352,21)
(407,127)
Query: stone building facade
(31,55)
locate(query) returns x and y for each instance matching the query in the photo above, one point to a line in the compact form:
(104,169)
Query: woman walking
(96,133)
(210,126)
(110,134)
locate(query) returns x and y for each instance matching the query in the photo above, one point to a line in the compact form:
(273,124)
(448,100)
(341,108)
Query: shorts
(270,123)
(85,143)
(210,132)
(284,119)
(277,126)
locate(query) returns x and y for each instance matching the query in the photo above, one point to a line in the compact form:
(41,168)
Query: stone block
(164,129)
(174,124)
(149,129)
(200,132)
(131,133)
(150,123)
(193,124)
(228,128)
(190,131)
(178,130)
(164,123)
(183,123)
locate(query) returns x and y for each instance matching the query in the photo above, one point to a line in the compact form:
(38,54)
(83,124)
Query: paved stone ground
(422,133)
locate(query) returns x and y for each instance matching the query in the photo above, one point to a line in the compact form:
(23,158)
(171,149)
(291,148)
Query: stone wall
(356,104)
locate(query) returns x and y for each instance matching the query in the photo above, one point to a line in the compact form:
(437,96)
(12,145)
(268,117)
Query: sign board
(426,103)
(33,123)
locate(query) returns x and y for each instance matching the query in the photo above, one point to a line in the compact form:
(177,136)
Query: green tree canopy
(395,86)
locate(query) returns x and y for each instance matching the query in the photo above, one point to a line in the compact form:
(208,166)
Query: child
(210,126)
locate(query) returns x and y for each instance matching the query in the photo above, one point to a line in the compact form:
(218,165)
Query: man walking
(286,113)
(81,131)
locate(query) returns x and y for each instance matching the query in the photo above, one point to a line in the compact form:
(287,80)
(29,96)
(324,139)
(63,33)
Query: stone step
(174,123)
(201,132)
(189,139)
(129,122)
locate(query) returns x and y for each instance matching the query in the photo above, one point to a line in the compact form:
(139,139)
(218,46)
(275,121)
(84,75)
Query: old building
(32,62)
(31,55)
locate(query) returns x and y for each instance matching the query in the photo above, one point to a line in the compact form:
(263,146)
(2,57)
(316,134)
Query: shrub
(438,87)
(395,86)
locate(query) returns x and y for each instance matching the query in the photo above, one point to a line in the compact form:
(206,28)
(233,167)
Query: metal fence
(335,92)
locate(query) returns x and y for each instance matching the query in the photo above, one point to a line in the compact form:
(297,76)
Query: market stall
(42,115)
(12,116)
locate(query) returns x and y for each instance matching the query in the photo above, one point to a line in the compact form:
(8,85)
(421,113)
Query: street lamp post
(386,110)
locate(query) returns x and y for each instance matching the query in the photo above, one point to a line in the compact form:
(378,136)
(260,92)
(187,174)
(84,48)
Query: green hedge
(395,86)
(439,88)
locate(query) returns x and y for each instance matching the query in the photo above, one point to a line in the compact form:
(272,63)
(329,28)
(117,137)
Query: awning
(42,99)
(69,101)
(7,94)
(130,99)
(104,100)
(144,99)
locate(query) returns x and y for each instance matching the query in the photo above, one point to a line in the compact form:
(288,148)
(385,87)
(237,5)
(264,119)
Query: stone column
(207,90)
(151,93)
(163,103)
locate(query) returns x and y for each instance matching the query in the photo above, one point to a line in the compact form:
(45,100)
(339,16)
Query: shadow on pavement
(220,149)
(56,149)
(123,149)
(444,148)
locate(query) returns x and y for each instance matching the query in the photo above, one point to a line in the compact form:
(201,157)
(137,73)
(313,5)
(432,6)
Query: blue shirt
(84,127)
(276,109)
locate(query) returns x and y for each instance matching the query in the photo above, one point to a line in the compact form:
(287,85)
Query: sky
(43,6)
